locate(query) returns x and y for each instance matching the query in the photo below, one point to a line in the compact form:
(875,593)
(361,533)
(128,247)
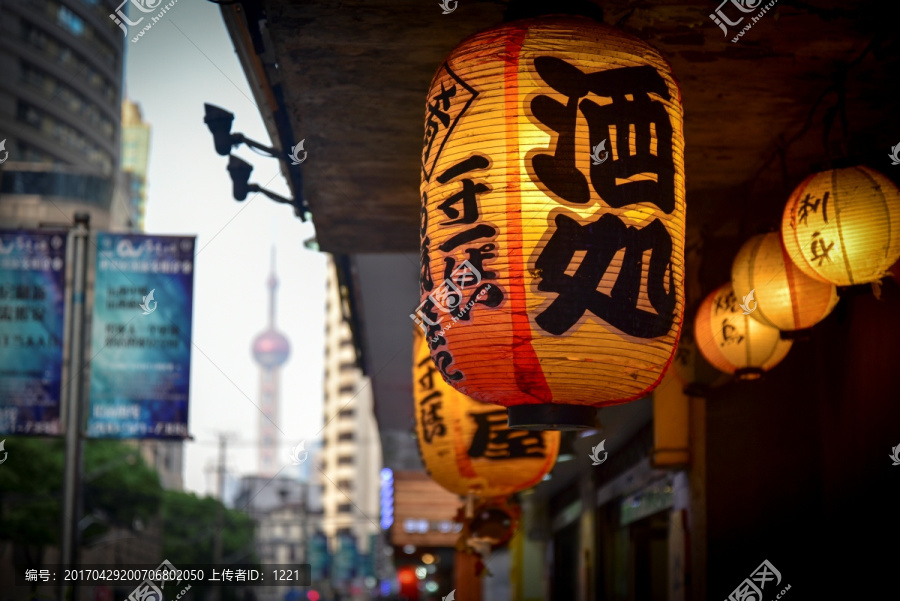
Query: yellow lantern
(843,226)
(466,445)
(734,342)
(552,219)
(783,297)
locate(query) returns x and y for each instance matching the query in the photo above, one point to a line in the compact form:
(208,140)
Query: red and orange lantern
(552,219)
(466,445)
(732,341)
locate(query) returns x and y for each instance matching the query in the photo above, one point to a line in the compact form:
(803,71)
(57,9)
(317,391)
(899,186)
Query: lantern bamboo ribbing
(733,342)
(553,219)
(784,297)
(843,226)
(465,445)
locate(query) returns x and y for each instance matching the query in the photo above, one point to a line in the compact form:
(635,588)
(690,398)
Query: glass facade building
(60,110)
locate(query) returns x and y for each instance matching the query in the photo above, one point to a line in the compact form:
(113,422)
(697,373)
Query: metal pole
(74,410)
(220,513)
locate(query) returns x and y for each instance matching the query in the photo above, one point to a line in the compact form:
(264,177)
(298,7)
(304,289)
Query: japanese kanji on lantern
(783,296)
(734,342)
(843,226)
(466,445)
(552,222)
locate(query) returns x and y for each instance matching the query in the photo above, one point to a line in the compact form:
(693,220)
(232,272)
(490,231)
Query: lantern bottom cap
(552,416)
(749,373)
(803,335)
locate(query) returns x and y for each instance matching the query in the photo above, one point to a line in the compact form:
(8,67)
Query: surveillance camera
(240,176)
(219,122)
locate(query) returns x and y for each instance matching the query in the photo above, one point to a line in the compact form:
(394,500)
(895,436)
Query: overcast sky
(184,60)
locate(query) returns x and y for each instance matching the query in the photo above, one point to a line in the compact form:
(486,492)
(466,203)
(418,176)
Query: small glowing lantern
(466,445)
(734,342)
(782,296)
(552,219)
(843,226)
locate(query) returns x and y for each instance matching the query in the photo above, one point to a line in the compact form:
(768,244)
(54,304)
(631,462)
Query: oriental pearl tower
(271,350)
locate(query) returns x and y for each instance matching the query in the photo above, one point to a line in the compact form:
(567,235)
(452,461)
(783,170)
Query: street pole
(220,512)
(74,403)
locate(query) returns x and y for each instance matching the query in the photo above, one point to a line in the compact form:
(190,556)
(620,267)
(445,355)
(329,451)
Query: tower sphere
(271,349)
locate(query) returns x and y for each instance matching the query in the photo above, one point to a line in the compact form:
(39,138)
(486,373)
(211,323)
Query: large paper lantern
(552,219)
(843,226)
(466,445)
(782,296)
(734,342)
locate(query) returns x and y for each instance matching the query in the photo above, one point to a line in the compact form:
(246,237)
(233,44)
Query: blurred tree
(119,490)
(30,495)
(189,524)
(189,527)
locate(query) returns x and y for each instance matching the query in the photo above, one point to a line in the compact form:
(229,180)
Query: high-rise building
(271,350)
(127,214)
(351,449)
(129,207)
(61,65)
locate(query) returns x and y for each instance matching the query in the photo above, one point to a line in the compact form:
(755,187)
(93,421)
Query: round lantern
(552,219)
(466,445)
(734,342)
(774,290)
(843,226)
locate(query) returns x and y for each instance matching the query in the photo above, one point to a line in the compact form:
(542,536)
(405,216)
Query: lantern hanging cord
(838,84)
(839,109)
(625,17)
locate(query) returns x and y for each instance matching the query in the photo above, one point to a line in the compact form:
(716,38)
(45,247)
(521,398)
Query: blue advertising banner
(32,307)
(141,336)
